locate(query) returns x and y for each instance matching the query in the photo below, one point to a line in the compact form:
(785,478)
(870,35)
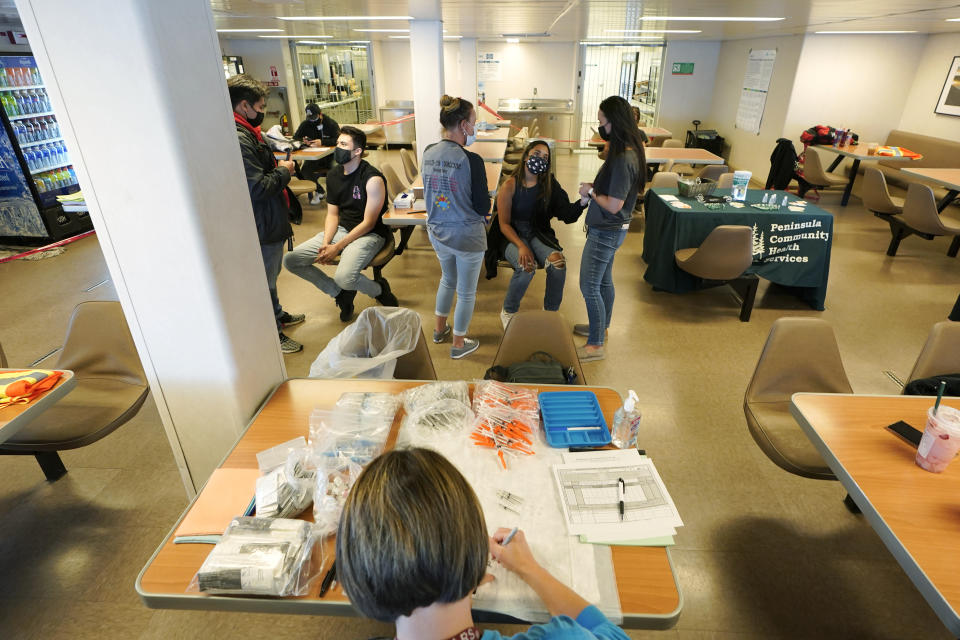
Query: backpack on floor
(540,368)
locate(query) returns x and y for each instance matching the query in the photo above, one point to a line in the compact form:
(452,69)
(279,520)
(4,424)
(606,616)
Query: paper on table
(660,541)
(225,496)
(668,197)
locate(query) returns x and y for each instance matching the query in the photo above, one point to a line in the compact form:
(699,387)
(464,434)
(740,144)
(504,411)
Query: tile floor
(763,553)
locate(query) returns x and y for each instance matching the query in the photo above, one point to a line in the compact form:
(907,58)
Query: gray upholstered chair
(664,179)
(725,181)
(111,387)
(724,257)
(941,353)
(410,168)
(416,365)
(814,173)
(801,355)
(920,217)
(532,331)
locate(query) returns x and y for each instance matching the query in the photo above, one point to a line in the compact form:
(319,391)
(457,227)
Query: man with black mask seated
(318,130)
(267,180)
(353,229)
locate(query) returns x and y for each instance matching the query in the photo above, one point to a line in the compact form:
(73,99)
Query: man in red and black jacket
(267,180)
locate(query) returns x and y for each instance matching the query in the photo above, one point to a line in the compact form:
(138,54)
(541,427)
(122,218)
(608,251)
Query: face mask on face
(537,164)
(604,134)
(342,156)
(471,138)
(255,121)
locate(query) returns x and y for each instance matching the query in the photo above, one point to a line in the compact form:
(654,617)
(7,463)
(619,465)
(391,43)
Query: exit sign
(682,69)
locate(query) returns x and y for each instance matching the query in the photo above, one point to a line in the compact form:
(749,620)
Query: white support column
(139,92)
(468,70)
(426,60)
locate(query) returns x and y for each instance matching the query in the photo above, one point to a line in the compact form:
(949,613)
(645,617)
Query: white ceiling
(568,20)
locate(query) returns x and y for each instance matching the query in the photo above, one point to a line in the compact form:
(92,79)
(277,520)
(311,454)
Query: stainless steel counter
(554,116)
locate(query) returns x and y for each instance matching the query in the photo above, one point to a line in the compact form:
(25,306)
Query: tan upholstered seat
(395,185)
(302,187)
(725,181)
(532,331)
(920,217)
(814,173)
(416,365)
(712,171)
(667,179)
(410,168)
(876,197)
(801,355)
(111,388)
(941,353)
(724,256)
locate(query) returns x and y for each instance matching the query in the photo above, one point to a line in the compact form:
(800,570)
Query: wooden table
(652,132)
(656,155)
(949,178)
(916,513)
(489,151)
(649,594)
(500,134)
(365,127)
(857,153)
(493,170)
(305,154)
(15,417)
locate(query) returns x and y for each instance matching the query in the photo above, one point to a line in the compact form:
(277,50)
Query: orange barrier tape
(47,247)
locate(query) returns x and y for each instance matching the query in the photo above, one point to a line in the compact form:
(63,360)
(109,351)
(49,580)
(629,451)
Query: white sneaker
(505,318)
(316,199)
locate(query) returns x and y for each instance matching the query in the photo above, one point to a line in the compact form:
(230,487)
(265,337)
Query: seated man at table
(317,130)
(353,229)
(412,548)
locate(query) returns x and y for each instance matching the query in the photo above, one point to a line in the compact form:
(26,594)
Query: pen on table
(621,489)
(509,537)
(328,579)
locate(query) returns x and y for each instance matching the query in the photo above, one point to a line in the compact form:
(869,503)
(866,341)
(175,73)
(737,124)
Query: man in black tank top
(353,230)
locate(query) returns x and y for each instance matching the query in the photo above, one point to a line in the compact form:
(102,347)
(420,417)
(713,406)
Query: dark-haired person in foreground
(267,180)
(412,548)
(353,229)
(612,196)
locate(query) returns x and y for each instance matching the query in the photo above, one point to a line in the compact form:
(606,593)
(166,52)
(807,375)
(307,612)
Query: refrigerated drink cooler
(35,165)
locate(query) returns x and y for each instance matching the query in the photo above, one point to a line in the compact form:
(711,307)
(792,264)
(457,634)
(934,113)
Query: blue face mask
(537,164)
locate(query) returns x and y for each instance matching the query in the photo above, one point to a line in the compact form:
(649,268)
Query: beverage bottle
(31,131)
(23,102)
(35,76)
(38,183)
(48,182)
(22,79)
(73,175)
(37,102)
(626,422)
(61,152)
(3,77)
(45,156)
(11,78)
(42,128)
(31,157)
(14,109)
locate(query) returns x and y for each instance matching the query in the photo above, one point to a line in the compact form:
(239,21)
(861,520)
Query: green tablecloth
(790,248)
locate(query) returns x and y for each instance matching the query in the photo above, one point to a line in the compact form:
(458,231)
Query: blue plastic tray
(567,416)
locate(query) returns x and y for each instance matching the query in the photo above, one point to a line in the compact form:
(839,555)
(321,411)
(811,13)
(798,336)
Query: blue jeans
(596,278)
(353,260)
(272,258)
(459,273)
(521,279)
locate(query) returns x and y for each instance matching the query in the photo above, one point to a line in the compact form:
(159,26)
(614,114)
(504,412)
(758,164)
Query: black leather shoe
(386,297)
(344,301)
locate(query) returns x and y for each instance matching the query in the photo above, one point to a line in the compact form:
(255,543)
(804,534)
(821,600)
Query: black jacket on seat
(783,165)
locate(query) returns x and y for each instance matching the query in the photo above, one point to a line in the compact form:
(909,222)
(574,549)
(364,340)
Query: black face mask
(604,135)
(257,120)
(342,156)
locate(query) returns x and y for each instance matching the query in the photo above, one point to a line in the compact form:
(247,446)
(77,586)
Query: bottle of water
(626,422)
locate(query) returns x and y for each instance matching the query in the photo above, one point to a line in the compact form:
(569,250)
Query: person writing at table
(611,196)
(317,130)
(353,229)
(412,548)
(526,203)
(457,200)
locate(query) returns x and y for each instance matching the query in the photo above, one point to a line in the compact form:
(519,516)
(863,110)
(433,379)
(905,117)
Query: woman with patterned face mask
(526,203)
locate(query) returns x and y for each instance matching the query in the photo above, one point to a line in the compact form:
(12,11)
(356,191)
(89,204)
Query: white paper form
(589,494)
(756,84)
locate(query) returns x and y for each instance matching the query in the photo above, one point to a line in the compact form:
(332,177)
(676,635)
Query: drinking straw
(943,385)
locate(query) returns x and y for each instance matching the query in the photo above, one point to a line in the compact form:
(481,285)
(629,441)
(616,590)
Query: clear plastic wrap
(287,490)
(270,459)
(416,398)
(262,556)
(335,478)
(445,414)
(507,417)
(341,433)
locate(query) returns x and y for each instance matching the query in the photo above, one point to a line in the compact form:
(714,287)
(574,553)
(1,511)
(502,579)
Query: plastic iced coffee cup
(872,148)
(941,439)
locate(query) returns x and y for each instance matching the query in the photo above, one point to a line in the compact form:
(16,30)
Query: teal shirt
(589,625)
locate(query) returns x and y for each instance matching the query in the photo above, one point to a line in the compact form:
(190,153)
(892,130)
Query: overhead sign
(682,69)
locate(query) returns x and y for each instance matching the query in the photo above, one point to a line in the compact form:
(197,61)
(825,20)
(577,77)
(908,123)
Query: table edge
(66,384)
(948,616)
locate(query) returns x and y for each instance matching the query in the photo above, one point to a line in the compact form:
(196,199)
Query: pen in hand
(509,537)
(621,490)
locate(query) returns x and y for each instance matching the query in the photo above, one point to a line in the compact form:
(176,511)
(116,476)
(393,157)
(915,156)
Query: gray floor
(763,553)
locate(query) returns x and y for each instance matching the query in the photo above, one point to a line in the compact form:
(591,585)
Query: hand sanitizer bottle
(626,422)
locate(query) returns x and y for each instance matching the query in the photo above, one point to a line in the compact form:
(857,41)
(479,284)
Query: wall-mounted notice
(488,67)
(756,83)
